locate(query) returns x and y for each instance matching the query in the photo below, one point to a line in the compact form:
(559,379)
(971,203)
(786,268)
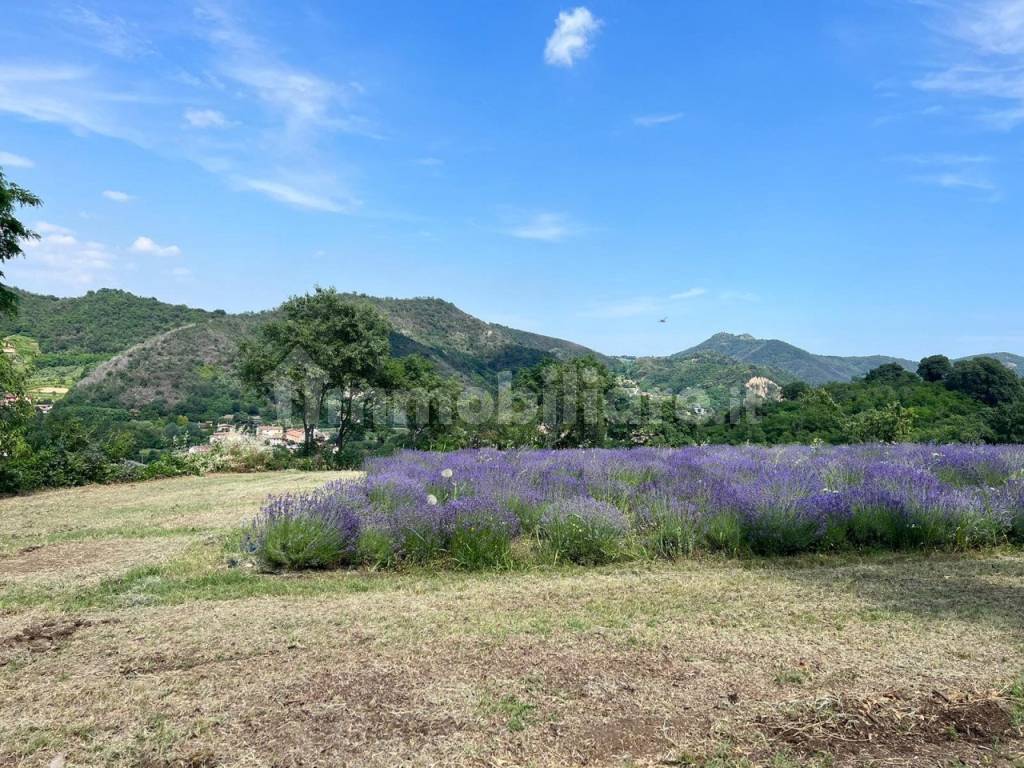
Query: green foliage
(572,401)
(12,233)
(985,379)
(103,322)
(889,373)
(934,368)
(581,539)
(375,549)
(669,534)
(300,543)
(891,424)
(320,343)
(480,543)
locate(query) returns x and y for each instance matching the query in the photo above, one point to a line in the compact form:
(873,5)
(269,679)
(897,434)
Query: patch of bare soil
(86,562)
(894,724)
(43,636)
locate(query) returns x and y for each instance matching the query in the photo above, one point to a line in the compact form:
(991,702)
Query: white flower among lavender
(431,500)
(447,474)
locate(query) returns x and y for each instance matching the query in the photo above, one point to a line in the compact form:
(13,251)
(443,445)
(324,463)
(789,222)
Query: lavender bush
(468,508)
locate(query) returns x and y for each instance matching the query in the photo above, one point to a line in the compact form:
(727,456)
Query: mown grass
(201,657)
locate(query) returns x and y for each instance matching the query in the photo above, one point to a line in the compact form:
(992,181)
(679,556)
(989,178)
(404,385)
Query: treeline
(326,363)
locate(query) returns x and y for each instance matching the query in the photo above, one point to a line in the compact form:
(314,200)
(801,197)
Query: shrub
(375,549)
(782,532)
(583,530)
(317,530)
(667,530)
(297,543)
(723,533)
(481,534)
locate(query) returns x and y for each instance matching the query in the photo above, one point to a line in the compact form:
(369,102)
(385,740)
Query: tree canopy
(12,233)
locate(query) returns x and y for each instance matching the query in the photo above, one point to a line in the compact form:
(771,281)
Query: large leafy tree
(321,345)
(12,233)
(985,379)
(934,368)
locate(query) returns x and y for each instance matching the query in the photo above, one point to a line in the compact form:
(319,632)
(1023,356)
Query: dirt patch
(43,636)
(86,562)
(893,723)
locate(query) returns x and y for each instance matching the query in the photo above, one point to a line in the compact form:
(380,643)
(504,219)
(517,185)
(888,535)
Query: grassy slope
(125,639)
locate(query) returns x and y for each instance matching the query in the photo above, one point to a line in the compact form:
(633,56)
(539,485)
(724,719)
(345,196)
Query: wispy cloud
(148,246)
(66,95)
(643,306)
(288,112)
(430,162)
(951,170)
(204,118)
(11,160)
(548,227)
(690,293)
(572,38)
(286,193)
(305,101)
(650,121)
(955,180)
(111,34)
(987,63)
(117,197)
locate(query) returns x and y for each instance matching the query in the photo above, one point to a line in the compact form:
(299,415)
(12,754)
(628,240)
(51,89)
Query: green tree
(318,344)
(572,399)
(934,368)
(986,380)
(795,390)
(12,233)
(890,373)
(891,424)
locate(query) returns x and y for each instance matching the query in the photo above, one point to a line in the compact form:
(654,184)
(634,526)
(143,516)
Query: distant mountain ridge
(796,362)
(154,352)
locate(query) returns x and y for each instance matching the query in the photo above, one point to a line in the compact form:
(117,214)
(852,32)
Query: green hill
(791,361)
(119,350)
(101,322)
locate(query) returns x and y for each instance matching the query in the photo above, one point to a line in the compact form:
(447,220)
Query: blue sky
(845,175)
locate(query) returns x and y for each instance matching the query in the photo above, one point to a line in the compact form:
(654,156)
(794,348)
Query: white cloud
(11,160)
(953,171)
(650,121)
(205,118)
(987,63)
(430,162)
(691,293)
(117,197)
(60,259)
(67,96)
(954,180)
(110,34)
(286,193)
(549,227)
(46,228)
(148,246)
(572,38)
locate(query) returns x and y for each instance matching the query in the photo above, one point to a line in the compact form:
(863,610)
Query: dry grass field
(132,635)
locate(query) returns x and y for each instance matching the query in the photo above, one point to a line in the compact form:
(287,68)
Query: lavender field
(485,508)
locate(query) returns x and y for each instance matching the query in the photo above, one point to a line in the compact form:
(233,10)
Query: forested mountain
(792,361)
(106,321)
(146,354)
